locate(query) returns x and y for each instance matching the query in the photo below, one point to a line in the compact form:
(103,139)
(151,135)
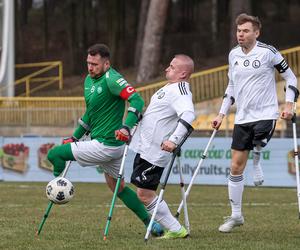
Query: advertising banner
(24,159)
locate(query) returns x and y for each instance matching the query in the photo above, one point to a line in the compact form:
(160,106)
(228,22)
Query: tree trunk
(141,31)
(214,21)
(73,35)
(155,25)
(237,7)
(46,29)
(112,30)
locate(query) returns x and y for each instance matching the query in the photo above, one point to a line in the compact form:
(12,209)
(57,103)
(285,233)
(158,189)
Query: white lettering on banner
(27,162)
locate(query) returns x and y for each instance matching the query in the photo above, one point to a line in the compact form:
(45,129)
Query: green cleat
(182,233)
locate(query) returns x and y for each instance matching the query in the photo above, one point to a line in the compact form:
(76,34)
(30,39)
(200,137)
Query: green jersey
(105,98)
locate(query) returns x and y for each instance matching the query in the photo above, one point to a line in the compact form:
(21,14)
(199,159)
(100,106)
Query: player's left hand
(123,134)
(168,146)
(287,113)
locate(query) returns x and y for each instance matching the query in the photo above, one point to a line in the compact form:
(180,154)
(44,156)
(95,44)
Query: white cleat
(258,177)
(230,223)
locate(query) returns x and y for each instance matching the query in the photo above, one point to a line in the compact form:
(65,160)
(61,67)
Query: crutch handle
(296,92)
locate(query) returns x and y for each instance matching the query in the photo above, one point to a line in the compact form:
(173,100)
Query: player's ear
(183,75)
(106,63)
(257,33)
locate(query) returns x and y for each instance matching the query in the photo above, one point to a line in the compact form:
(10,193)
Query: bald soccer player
(158,134)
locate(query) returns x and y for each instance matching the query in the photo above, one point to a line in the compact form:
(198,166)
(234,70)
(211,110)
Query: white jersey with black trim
(252,82)
(160,120)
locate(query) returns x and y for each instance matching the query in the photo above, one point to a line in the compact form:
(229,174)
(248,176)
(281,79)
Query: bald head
(180,69)
(186,63)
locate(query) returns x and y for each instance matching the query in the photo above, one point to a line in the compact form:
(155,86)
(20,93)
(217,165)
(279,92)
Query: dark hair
(244,18)
(100,49)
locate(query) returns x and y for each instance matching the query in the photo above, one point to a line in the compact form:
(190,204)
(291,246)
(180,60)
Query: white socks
(258,176)
(164,216)
(235,191)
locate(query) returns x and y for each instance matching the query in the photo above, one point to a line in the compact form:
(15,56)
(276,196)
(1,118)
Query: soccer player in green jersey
(105,93)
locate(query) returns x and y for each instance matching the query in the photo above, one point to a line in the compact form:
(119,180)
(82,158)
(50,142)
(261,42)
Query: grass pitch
(271,219)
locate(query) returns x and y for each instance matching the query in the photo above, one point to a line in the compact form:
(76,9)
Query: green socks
(58,157)
(130,199)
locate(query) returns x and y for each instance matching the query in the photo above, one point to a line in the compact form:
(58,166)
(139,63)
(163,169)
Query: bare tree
(214,21)
(237,7)
(155,25)
(141,31)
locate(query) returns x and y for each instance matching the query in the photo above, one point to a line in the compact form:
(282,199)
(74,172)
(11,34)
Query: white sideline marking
(248,204)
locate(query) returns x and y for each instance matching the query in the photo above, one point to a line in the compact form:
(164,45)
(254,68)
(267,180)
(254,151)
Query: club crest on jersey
(99,89)
(246,63)
(160,94)
(256,64)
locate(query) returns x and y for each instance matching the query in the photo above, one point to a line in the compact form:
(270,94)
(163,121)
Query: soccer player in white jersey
(252,84)
(158,134)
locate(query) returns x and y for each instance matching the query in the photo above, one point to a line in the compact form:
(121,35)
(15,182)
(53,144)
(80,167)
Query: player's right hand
(69,140)
(123,134)
(217,121)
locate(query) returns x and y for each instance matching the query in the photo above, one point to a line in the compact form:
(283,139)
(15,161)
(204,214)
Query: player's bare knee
(236,168)
(145,195)
(122,185)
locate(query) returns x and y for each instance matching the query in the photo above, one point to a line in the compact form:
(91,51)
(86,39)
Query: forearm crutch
(50,204)
(195,173)
(163,185)
(186,215)
(296,91)
(118,183)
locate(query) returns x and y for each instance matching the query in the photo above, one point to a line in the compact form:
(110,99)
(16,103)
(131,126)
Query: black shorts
(246,136)
(145,175)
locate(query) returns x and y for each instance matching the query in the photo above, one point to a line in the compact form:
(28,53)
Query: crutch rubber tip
(176,215)
(146,240)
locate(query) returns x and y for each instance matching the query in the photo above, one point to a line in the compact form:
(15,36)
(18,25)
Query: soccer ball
(60,190)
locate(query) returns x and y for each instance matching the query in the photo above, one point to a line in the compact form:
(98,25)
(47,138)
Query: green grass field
(271,219)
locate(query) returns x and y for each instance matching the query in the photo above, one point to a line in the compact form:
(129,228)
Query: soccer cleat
(258,176)
(230,223)
(157,229)
(182,233)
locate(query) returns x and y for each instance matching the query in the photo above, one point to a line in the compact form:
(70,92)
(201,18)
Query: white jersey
(252,82)
(160,120)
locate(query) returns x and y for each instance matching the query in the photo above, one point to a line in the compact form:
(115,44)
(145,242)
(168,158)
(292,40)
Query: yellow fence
(209,84)
(41,111)
(63,111)
(40,78)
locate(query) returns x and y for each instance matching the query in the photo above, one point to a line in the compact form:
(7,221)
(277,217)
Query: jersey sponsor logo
(126,92)
(160,94)
(182,88)
(93,89)
(246,63)
(122,82)
(99,89)
(256,64)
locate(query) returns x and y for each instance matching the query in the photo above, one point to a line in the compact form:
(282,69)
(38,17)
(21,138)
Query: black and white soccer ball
(60,190)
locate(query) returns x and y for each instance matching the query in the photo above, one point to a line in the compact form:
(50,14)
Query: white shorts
(92,153)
